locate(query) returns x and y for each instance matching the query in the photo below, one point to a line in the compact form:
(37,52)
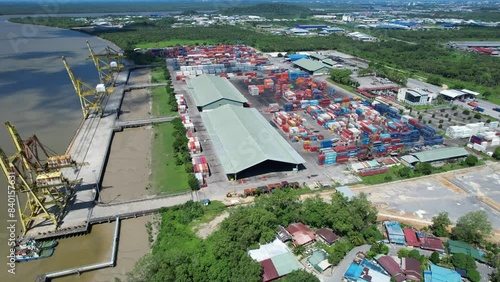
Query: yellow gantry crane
(39,178)
(21,182)
(90,97)
(106,64)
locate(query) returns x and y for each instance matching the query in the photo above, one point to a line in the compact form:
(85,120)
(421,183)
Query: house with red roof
(411,237)
(301,234)
(411,268)
(392,267)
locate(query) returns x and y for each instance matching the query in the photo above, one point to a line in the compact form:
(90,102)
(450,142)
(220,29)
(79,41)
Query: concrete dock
(90,145)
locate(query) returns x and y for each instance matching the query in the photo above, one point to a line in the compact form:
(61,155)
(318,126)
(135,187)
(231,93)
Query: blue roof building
(365,271)
(441,274)
(408,24)
(390,26)
(310,26)
(295,57)
(395,232)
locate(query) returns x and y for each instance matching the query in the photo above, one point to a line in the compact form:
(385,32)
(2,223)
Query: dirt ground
(127,172)
(205,229)
(137,103)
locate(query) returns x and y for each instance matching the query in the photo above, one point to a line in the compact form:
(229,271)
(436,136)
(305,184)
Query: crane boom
(90,98)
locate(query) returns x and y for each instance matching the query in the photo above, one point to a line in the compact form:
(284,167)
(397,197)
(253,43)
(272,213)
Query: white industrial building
(299,31)
(361,36)
(453,94)
(414,96)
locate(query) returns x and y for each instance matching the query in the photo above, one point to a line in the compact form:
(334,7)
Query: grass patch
(158,75)
(175,42)
(393,175)
(160,105)
(213,210)
(167,177)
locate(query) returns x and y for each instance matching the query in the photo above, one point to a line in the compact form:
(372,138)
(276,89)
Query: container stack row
(201,170)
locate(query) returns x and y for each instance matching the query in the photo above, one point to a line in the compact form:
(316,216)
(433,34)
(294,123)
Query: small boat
(46,244)
(27,255)
(29,243)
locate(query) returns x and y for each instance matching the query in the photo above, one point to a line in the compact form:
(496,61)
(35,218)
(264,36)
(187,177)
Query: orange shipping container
(261,88)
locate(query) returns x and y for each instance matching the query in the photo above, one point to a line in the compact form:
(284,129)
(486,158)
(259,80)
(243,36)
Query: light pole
(97,190)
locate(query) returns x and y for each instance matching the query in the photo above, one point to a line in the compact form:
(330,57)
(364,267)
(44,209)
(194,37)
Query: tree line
(429,55)
(179,255)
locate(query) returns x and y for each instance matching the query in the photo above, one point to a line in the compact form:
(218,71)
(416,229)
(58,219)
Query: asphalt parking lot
(371,81)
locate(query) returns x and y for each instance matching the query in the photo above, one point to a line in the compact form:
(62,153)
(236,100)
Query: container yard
(330,132)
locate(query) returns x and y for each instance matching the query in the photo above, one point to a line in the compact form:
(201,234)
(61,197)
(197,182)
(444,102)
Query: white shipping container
(480,148)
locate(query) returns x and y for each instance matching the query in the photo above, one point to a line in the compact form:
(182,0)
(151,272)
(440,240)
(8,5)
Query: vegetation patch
(175,42)
(167,176)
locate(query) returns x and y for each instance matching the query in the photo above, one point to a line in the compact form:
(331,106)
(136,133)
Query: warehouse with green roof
(436,155)
(210,92)
(246,144)
(312,66)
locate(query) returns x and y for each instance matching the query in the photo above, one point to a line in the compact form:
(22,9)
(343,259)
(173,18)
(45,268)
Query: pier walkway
(120,125)
(109,212)
(90,146)
(81,269)
(141,86)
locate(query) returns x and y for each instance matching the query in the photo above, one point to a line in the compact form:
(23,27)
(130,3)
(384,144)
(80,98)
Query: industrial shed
(318,57)
(452,94)
(442,154)
(210,92)
(311,66)
(246,144)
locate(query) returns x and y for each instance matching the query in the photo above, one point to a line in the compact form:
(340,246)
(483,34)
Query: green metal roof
(458,247)
(242,138)
(310,65)
(441,154)
(318,57)
(207,89)
(329,62)
(285,263)
(317,257)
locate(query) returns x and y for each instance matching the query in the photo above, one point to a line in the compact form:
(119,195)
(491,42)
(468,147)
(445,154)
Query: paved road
(487,106)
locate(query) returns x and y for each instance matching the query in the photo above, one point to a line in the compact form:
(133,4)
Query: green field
(175,42)
(160,107)
(157,75)
(167,177)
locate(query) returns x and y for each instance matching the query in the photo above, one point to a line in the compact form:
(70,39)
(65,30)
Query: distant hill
(270,10)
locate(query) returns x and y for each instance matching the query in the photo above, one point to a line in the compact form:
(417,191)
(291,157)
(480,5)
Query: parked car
(496,109)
